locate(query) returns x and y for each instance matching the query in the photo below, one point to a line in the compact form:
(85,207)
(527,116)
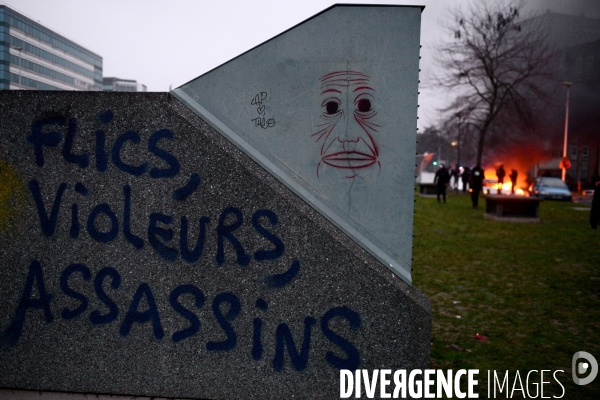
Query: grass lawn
(532,289)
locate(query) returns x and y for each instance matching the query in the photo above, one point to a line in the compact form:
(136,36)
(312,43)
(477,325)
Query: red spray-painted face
(346,132)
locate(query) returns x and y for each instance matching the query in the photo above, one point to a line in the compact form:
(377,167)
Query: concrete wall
(102,290)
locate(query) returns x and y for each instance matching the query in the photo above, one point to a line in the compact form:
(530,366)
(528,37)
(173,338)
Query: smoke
(587,8)
(579,63)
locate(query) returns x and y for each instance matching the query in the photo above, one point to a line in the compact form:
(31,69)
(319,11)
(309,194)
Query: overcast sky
(165,44)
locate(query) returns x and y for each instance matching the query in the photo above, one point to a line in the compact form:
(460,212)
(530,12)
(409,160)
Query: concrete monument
(223,247)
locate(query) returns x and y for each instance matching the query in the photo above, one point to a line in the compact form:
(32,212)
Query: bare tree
(458,129)
(496,65)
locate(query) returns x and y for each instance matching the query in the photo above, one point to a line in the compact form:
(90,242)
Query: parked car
(550,188)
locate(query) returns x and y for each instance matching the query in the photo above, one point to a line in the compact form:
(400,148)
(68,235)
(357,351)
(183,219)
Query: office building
(111,84)
(35,57)
(577,39)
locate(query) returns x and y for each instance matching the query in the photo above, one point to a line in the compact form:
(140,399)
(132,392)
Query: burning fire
(505,188)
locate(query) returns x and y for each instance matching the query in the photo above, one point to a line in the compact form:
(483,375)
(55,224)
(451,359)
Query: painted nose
(349,145)
(350,134)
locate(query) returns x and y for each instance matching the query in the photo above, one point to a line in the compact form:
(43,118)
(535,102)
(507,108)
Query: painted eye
(331,107)
(364,105)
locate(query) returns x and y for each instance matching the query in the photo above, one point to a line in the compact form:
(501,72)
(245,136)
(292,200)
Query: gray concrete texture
(330,108)
(10,394)
(339,304)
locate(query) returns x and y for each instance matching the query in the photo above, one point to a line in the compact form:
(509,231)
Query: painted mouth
(349,159)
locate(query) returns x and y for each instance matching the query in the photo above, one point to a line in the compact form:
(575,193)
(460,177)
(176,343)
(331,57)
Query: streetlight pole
(458,137)
(564,170)
(439,149)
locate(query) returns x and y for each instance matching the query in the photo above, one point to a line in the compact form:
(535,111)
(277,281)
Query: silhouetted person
(595,213)
(500,173)
(466,176)
(476,184)
(513,180)
(441,179)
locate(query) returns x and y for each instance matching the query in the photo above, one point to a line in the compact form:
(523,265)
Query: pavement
(583,200)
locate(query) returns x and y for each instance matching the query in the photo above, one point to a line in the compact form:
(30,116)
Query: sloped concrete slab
(141,253)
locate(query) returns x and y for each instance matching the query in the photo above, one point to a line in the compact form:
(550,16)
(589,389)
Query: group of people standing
(470,177)
(474,179)
(500,173)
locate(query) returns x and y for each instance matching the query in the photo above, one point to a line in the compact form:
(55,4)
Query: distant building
(35,57)
(577,39)
(565,30)
(122,85)
(581,66)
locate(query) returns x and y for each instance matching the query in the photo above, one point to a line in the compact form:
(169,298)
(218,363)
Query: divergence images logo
(582,367)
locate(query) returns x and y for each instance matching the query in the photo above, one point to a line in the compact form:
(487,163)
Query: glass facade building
(34,57)
(122,85)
